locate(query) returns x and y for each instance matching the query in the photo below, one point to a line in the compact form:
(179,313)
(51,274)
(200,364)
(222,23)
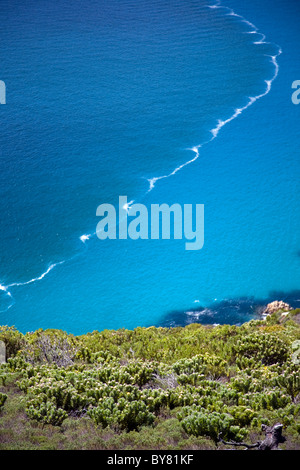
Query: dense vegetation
(151,388)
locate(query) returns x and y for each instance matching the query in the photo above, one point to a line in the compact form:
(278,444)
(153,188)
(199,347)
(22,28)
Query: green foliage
(3,374)
(244,362)
(50,346)
(3,398)
(289,380)
(294,312)
(269,400)
(207,380)
(46,412)
(201,365)
(17,363)
(201,423)
(266,348)
(125,415)
(13,339)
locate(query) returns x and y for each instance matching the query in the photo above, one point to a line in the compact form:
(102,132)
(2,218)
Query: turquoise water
(164,102)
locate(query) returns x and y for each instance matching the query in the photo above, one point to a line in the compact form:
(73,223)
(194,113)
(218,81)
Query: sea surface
(163,101)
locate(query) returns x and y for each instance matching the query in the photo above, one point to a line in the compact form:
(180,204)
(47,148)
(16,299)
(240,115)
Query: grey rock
(2,352)
(275,306)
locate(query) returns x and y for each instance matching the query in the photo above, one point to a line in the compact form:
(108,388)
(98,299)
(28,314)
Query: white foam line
(238,111)
(5,289)
(152,181)
(52,266)
(18,284)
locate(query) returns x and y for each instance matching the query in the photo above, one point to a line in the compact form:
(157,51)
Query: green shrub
(224,379)
(266,348)
(46,412)
(201,423)
(3,374)
(13,339)
(50,346)
(3,399)
(125,415)
(201,365)
(17,363)
(242,415)
(289,380)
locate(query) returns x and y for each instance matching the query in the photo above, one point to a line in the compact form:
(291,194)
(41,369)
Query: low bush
(207,380)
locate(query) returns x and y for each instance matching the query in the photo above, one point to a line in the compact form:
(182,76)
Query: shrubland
(151,388)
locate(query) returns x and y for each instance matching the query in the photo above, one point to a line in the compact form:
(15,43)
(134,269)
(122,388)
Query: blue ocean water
(165,102)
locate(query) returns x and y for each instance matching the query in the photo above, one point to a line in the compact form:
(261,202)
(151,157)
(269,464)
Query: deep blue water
(105,99)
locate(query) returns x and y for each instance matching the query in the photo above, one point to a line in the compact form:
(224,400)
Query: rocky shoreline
(277,306)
